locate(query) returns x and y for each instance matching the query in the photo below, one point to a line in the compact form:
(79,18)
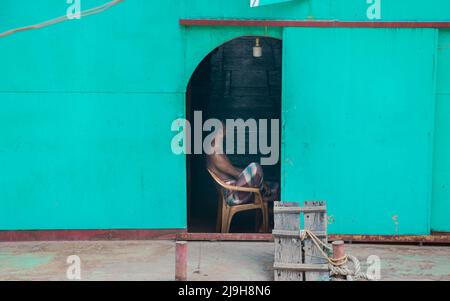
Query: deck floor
(154,260)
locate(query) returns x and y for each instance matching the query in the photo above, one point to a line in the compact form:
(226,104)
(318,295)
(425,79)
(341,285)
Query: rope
(338,267)
(88,12)
(351,275)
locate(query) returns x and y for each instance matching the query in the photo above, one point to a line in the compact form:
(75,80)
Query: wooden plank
(295,233)
(287,250)
(315,222)
(305,209)
(302,267)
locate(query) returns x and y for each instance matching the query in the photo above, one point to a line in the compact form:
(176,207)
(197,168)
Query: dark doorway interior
(229,84)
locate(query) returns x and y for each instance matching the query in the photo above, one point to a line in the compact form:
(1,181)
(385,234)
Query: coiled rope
(337,266)
(88,12)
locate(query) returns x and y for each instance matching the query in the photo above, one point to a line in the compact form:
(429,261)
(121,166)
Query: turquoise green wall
(358,114)
(441,175)
(86,108)
(88,161)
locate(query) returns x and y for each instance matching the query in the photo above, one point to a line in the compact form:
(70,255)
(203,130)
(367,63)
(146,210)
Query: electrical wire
(88,12)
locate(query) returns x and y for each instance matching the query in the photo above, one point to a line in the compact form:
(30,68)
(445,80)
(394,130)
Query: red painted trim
(90,235)
(325,23)
(225,236)
(432,239)
(181,234)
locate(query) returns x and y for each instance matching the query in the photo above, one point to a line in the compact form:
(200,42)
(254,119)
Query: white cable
(88,12)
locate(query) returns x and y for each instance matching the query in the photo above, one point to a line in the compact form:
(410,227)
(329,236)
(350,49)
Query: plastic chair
(226,212)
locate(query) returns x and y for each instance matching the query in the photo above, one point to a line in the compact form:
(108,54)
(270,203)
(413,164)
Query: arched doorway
(231,83)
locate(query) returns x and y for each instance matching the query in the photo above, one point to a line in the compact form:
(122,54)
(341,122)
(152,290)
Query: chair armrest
(232,187)
(238,188)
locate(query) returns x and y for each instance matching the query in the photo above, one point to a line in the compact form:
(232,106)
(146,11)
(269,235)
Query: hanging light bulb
(257,50)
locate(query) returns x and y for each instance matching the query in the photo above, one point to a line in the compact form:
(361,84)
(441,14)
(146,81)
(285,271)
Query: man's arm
(223,164)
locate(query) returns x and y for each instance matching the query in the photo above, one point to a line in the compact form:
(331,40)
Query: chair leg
(230,218)
(261,221)
(225,215)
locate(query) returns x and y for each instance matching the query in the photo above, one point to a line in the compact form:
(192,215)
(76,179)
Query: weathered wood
(315,222)
(287,233)
(301,267)
(288,250)
(305,209)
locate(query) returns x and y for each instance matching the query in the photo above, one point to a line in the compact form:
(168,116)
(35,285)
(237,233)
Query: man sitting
(251,176)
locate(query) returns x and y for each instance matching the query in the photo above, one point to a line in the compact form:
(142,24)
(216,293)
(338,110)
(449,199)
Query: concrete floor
(154,260)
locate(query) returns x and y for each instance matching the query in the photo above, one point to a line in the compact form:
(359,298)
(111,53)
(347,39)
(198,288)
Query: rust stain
(395,219)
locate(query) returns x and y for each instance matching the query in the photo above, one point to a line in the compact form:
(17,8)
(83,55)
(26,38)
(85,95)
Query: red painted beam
(309,23)
(432,239)
(181,234)
(89,235)
(225,236)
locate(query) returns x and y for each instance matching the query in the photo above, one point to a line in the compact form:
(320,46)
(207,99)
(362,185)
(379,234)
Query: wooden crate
(297,260)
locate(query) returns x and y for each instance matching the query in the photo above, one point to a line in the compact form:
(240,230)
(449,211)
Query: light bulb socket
(257,51)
